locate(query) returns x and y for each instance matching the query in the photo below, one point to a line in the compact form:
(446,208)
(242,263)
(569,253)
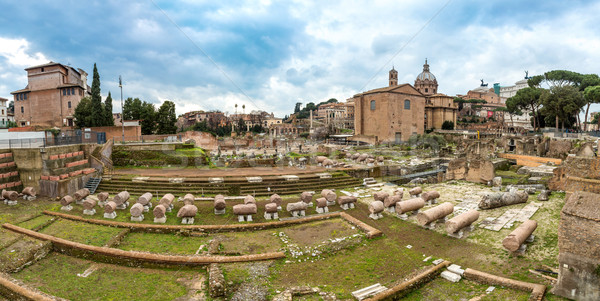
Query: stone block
(450,276)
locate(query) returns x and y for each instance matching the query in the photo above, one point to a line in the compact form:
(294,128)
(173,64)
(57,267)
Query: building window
(80,92)
(426,90)
(372,105)
(72,91)
(407,104)
(22,110)
(42,69)
(69,104)
(25,96)
(64,91)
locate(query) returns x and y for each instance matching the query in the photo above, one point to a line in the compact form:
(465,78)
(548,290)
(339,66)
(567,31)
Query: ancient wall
(116,132)
(577,174)
(202,139)
(579,247)
(475,170)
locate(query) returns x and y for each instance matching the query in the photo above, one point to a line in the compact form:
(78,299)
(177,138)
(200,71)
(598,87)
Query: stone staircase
(231,186)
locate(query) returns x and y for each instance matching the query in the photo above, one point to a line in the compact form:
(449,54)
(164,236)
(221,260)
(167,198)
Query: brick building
(4,112)
(394,113)
(52,93)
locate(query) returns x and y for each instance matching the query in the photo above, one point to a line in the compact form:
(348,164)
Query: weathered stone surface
(579,246)
(275,198)
(559,148)
(136,210)
(321,202)
(65,200)
(380,195)
(346,199)
(249,200)
(296,206)
(306,197)
(415,191)
(30,191)
(121,197)
(159,211)
(430,195)
(329,195)
(516,238)
(480,171)
(392,200)
(219,202)
(102,196)
(187,211)
(244,209)
(435,213)
(494,200)
(544,195)
(167,200)
(409,205)
(497,181)
(457,169)
(81,194)
(110,207)
(145,198)
(271,208)
(460,221)
(188,199)
(376,207)
(89,204)
(216,281)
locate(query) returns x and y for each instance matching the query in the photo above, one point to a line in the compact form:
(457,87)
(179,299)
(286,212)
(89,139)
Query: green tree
(562,102)
(11,107)
(527,99)
(588,80)
(447,125)
(591,95)
(132,109)
(108,117)
(83,113)
(166,118)
(297,107)
(240,126)
(96,116)
(148,117)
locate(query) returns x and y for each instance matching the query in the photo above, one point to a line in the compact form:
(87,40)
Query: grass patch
(81,232)
(441,289)
(254,242)
(163,243)
(320,231)
(57,275)
(35,222)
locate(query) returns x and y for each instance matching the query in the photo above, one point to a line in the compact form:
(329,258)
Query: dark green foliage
(527,99)
(215,130)
(107,110)
(82,113)
(447,125)
(96,112)
(135,109)
(166,118)
(305,112)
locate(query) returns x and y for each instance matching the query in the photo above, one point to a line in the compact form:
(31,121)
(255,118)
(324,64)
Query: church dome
(426,75)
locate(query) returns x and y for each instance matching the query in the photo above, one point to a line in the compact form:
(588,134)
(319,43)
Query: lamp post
(122,117)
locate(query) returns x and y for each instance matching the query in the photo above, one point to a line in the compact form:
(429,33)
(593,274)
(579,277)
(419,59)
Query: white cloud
(16,52)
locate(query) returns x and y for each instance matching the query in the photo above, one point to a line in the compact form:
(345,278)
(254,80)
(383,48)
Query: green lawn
(163,243)
(57,275)
(81,232)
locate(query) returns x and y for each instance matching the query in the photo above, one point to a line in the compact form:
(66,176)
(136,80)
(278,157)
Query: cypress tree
(108,117)
(96,105)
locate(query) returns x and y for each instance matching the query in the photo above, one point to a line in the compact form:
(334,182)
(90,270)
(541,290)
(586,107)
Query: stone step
(368,291)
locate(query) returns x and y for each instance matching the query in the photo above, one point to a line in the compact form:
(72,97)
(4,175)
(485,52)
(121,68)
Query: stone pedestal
(66,208)
(376,216)
(147,207)
(270,216)
(403,216)
(330,203)
(391,209)
(322,210)
(347,206)
(187,220)
(79,202)
(460,233)
(29,198)
(123,206)
(11,203)
(298,213)
(89,212)
(111,215)
(160,220)
(137,218)
(244,218)
(219,212)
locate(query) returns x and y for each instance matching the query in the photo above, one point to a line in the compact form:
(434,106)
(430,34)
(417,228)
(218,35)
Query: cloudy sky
(269,55)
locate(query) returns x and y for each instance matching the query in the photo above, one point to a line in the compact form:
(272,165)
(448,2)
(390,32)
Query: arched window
(407,104)
(372,105)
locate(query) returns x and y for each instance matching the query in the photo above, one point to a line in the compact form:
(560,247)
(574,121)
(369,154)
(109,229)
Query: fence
(86,137)
(148,139)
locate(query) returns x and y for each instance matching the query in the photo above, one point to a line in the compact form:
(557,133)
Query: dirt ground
(199,172)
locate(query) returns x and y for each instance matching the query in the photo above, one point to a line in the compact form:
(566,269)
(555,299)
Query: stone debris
(456,269)
(450,276)
(438,261)
(368,291)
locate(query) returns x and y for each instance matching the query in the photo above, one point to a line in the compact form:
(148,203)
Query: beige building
(394,113)
(52,93)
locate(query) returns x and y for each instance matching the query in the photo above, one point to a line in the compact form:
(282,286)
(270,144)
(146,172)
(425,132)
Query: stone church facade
(394,113)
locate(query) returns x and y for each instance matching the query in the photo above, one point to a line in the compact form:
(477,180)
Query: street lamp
(122,117)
